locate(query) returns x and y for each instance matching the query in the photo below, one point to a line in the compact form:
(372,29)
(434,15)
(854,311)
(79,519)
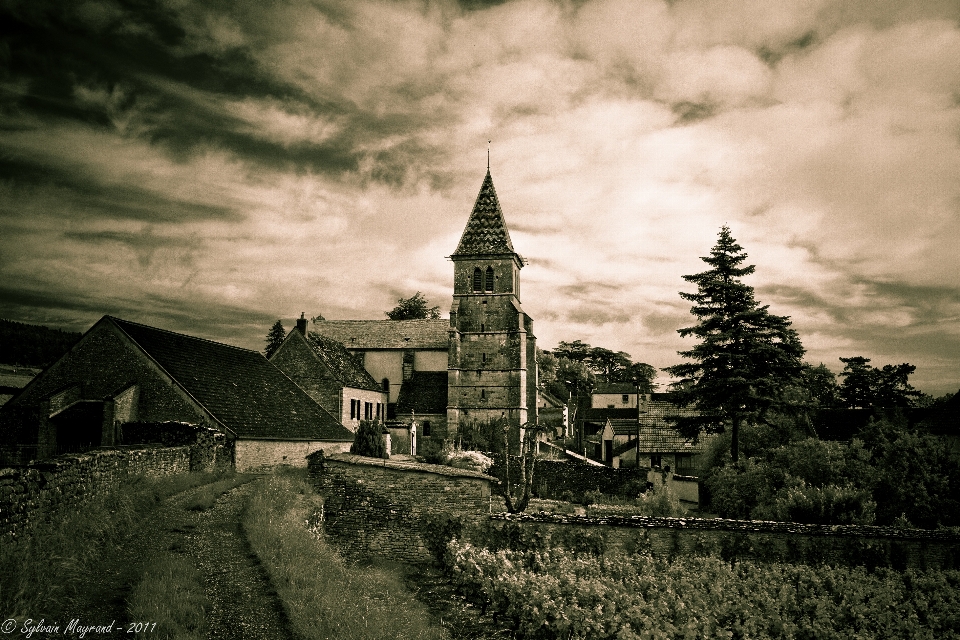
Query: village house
(122,372)
(331,375)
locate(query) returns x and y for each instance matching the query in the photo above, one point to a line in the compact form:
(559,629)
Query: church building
(487,348)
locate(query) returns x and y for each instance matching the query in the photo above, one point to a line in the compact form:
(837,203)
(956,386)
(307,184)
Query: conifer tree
(274,338)
(746,356)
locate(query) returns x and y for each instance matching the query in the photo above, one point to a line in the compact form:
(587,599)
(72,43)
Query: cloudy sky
(211,167)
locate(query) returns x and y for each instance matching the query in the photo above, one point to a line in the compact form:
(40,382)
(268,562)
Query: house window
(482,328)
(483,394)
(353,409)
(483,357)
(477,280)
(425,428)
(489,279)
(368,410)
(385,383)
(625,398)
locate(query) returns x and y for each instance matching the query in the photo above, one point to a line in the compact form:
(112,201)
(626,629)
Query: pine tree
(274,338)
(746,355)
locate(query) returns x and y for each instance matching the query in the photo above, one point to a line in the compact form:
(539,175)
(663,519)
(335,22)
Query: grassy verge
(171,595)
(45,572)
(325,597)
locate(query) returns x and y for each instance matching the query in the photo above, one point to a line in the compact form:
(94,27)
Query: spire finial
(488,156)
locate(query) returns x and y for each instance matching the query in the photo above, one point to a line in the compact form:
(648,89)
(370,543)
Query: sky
(209,168)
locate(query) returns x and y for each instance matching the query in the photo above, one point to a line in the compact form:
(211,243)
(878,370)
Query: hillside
(28,345)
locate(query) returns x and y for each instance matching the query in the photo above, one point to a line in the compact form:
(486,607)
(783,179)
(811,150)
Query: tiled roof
(342,363)
(486,231)
(424,392)
(653,439)
(239,387)
(387,334)
(615,387)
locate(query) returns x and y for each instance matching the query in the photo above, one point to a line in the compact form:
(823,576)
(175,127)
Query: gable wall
(102,364)
(298,362)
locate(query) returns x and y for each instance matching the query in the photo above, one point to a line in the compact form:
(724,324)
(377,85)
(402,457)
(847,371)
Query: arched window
(489,281)
(477,280)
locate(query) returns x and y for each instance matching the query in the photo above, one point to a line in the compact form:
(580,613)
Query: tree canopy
(864,386)
(274,338)
(414,308)
(746,356)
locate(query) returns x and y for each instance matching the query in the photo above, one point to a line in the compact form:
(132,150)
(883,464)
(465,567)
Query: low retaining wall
(38,491)
(764,541)
(380,507)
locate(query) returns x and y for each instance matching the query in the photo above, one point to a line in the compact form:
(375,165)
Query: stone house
(391,351)
(332,376)
(121,372)
(423,400)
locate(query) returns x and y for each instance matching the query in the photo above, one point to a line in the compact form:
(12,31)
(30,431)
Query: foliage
(577,362)
(821,385)
(274,338)
(414,308)
(893,475)
(29,345)
(470,460)
(917,482)
(746,356)
(322,595)
(864,386)
(557,594)
(369,441)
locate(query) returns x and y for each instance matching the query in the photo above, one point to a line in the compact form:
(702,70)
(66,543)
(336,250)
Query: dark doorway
(79,427)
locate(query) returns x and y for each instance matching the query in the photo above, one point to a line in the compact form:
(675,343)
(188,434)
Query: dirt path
(243,604)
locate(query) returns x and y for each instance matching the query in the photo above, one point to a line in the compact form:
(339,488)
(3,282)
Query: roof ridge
(182,335)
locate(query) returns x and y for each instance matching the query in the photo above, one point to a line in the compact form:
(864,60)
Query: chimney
(302,324)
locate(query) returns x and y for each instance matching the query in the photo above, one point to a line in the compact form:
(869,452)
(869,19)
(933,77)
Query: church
(477,366)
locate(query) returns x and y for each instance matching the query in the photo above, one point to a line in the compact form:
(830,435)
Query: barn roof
(240,388)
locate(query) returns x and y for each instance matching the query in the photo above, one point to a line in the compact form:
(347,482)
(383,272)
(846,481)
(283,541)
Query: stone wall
(869,546)
(260,455)
(210,450)
(38,491)
(380,507)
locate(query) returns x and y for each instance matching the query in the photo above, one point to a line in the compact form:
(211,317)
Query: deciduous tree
(414,308)
(746,356)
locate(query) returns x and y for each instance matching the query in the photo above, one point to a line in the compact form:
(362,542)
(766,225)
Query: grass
(170,594)
(323,595)
(208,494)
(45,571)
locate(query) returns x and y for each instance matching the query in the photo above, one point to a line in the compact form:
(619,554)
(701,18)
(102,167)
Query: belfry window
(489,279)
(477,279)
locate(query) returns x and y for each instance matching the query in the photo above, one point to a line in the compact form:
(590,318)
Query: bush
(471,460)
(369,441)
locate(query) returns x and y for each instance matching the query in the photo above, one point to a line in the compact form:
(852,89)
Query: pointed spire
(486,232)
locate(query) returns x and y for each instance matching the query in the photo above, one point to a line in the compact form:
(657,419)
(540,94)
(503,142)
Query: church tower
(492,370)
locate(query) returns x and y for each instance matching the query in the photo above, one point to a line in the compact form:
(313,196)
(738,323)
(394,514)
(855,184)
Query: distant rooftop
(386,334)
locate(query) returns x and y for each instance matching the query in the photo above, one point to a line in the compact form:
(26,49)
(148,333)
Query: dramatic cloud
(210,167)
